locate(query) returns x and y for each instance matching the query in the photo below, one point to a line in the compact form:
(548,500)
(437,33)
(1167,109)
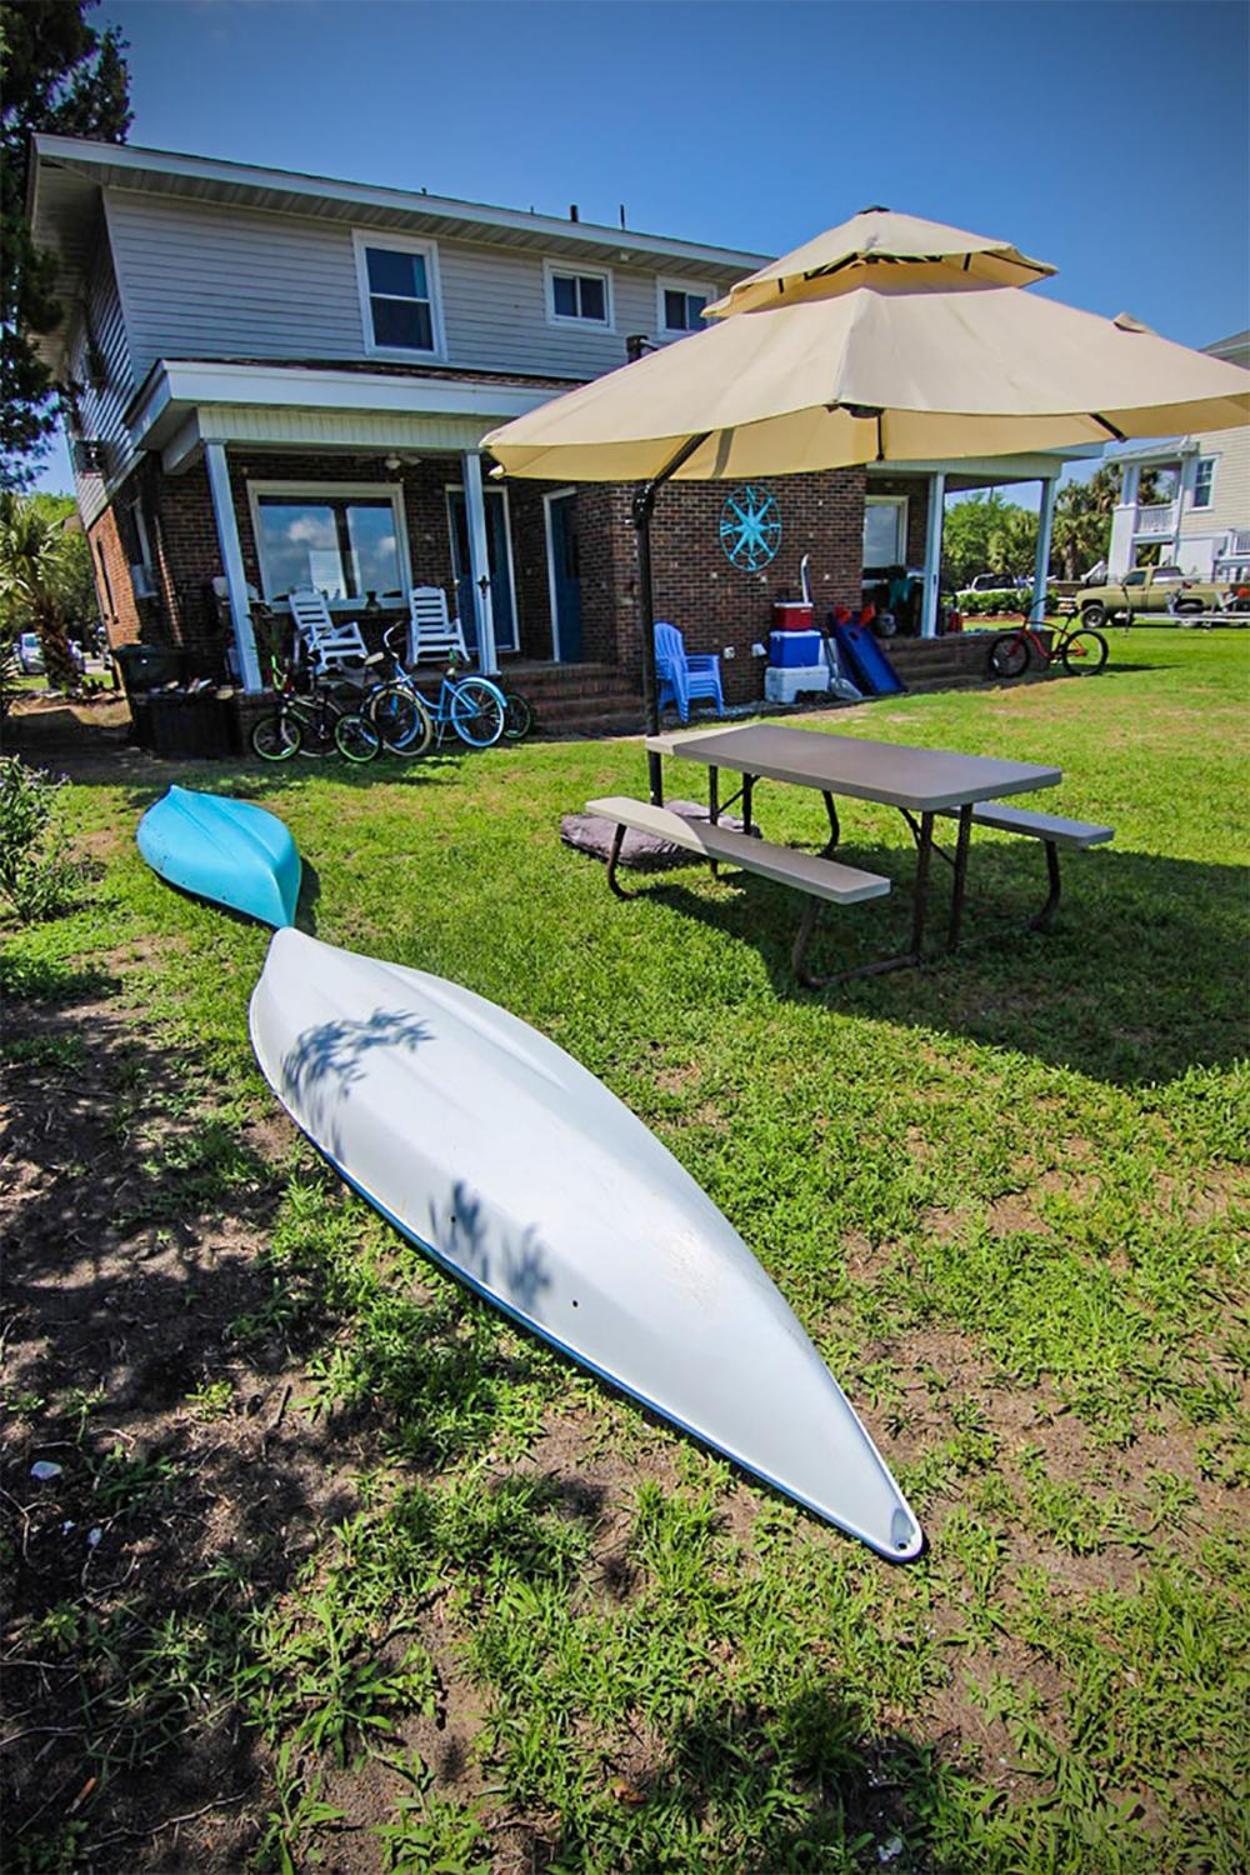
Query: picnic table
(925,785)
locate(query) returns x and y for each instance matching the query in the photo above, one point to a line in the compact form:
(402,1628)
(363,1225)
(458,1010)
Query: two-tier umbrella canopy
(886,339)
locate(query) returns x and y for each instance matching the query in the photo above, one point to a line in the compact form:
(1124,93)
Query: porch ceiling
(987,471)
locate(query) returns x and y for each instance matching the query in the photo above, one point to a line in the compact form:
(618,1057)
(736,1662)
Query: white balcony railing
(1157,520)
(1238,544)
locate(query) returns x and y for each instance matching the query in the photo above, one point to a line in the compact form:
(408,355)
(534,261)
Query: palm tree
(32,551)
(1083,520)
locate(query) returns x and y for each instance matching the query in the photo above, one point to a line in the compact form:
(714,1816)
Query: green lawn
(383,1581)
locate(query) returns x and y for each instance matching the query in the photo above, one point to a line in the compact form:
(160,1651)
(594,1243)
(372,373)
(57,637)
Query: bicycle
(1082,651)
(474,707)
(392,703)
(311,723)
(519,714)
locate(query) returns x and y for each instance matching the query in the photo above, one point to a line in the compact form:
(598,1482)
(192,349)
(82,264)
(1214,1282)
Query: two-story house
(274,380)
(1185,500)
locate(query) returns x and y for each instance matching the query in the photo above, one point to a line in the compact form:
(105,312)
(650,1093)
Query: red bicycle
(1082,651)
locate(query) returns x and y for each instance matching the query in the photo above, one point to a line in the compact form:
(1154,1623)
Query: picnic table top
(924,780)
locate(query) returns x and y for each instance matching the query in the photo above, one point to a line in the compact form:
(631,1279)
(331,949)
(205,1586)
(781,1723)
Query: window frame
(900,504)
(362,240)
(1204,507)
(314,492)
(663,286)
(577,270)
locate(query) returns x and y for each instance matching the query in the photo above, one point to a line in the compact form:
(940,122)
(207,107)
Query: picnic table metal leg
(1042,921)
(961,877)
(748,785)
(713,807)
(835,827)
(920,901)
(617,841)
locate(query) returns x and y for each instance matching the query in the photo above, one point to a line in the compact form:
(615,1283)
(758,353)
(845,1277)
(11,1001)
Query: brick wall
(110,567)
(714,603)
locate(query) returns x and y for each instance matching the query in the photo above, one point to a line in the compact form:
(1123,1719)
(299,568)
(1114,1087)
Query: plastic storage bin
(789,651)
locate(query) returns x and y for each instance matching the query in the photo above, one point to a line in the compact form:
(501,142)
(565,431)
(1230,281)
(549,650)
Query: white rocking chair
(331,644)
(432,632)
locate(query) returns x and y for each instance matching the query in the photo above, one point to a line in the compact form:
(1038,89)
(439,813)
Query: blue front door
(566,583)
(500,561)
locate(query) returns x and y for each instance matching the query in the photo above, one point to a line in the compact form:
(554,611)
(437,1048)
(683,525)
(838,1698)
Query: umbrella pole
(644,506)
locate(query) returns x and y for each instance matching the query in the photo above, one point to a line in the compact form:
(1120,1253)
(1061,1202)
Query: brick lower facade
(718,606)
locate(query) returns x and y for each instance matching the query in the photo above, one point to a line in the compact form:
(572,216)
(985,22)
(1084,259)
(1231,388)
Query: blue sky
(1110,139)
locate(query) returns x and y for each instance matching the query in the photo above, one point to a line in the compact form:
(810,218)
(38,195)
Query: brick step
(624,710)
(619,723)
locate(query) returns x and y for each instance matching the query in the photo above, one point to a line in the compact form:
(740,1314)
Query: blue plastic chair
(684,677)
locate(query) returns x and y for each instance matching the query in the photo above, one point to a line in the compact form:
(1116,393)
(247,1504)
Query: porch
(258,480)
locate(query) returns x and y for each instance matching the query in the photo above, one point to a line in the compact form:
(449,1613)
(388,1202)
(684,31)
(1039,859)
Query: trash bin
(187,726)
(145,667)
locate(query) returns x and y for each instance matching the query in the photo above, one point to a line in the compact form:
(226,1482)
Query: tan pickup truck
(1155,589)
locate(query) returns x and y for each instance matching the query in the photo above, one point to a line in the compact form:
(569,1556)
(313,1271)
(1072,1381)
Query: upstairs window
(1204,482)
(398,292)
(681,307)
(579,298)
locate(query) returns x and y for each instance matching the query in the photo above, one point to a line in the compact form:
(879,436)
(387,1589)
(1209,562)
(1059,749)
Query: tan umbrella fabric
(972,371)
(924,253)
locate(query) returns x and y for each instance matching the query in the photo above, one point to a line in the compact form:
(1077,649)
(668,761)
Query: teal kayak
(232,852)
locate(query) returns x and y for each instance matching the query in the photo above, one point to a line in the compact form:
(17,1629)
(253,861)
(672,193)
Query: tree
(970,532)
(34,573)
(1082,536)
(59,74)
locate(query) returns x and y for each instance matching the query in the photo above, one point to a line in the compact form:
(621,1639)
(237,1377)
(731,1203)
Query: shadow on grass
(133,1576)
(805,1786)
(1137,981)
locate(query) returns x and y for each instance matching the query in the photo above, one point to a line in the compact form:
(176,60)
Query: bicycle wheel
(1009,655)
(275,738)
(396,715)
(518,716)
(356,739)
(477,712)
(1084,654)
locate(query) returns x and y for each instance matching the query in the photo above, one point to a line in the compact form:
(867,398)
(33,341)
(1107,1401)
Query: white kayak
(520,1173)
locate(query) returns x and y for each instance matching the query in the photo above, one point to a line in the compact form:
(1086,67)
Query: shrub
(37,872)
(1014,599)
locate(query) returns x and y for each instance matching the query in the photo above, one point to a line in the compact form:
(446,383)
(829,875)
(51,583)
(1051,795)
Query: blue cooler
(790,651)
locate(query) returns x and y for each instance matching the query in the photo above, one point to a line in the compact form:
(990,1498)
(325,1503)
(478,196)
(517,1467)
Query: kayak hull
(518,1171)
(232,852)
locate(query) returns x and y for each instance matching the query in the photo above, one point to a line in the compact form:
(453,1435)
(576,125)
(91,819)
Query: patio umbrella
(886,339)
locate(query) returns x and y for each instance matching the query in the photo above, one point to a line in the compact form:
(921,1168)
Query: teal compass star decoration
(750,527)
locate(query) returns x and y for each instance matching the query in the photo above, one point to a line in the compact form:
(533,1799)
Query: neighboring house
(274,379)
(1185,500)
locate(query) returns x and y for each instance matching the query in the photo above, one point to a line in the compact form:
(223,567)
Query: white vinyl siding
(1230,492)
(100,406)
(202,281)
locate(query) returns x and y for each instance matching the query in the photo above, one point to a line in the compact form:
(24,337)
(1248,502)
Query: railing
(1238,544)
(1156,520)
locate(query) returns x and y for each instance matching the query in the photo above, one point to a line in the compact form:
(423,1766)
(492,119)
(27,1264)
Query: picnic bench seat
(1051,829)
(825,880)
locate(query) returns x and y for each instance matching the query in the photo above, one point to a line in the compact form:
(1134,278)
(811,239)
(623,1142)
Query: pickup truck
(1151,589)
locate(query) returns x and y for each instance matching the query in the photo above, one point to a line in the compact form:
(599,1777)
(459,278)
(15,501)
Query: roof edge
(209,169)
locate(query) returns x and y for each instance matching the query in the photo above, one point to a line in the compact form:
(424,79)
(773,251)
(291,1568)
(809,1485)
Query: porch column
(933,555)
(232,564)
(1041,566)
(479,560)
